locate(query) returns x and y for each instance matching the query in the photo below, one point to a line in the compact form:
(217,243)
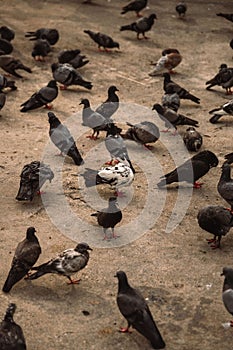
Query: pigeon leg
(39,193)
(172,72)
(125,329)
(139,14)
(113,234)
(216,245)
(144,36)
(231,323)
(212,240)
(92,137)
(119,194)
(138,36)
(48,106)
(165,130)
(63,87)
(73,281)
(197,184)
(59,154)
(148,147)
(230,210)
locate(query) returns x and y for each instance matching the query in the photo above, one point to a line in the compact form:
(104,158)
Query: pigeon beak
(221,274)
(89,248)
(115,276)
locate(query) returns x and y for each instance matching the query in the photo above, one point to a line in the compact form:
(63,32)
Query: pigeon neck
(123,285)
(226,174)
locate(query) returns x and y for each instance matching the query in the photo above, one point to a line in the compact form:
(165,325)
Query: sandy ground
(176,271)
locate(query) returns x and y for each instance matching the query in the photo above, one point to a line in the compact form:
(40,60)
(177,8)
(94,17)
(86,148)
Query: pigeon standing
(171,100)
(227,290)
(216,220)
(225,109)
(141,26)
(72,57)
(134,308)
(67,75)
(109,217)
(225,185)
(63,140)
(229,158)
(169,60)
(111,105)
(67,263)
(32,178)
(174,87)
(5,83)
(50,34)
(40,50)
(7,33)
(11,334)
(191,170)
(142,133)
(222,78)
(192,139)
(43,97)
(26,255)
(5,47)
(10,64)
(181,9)
(102,40)
(134,6)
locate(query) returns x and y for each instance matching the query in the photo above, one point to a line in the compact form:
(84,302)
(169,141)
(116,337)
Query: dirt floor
(175,269)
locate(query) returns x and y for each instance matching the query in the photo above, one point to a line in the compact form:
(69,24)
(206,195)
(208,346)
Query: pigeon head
(116,44)
(52,83)
(113,130)
(211,158)
(158,108)
(54,66)
(82,247)
(30,232)
(122,280)
(223,65)
(53,119)
(112,89)
(10,312)
(167,76)
(85,102)
(228,273)
(191,128)
(153,16)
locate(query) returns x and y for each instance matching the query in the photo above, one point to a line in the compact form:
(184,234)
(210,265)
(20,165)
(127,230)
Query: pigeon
(32,178)
(170,59)
(181,9)
(216,220)
(40,50)
(110,106)
(116,146)
(5,47)
(222,78)
(192,139)
(227,290)
(117,175)
(50,34)
(7,33)
(171,100)
(229,158)
(26,255)
(134,308)
(142,133)
(141,26)
(174,87)
(170,117)
(135,6)
(109,217)
(43,97)
(225,109)
(225,185)
(92,119)
(192,170)
(231,43)
(5,83)
(102,40)
(11,334)
(228,16)
(2,100)
(67,75)
(67,263)
(10,64)
(63,140)
(72,57)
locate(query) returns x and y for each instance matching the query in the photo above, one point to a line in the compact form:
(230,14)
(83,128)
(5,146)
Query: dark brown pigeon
(5,47)
(102,40)
(216,220)
(134,308)
(72,57)
(134,6)
(141,26)
(142,133)
(40,50)
(50,34)
(225,185)
(5,83)
(7,33)
(222,78)
(228,16)
(227,290)
(224,110)
(26,255)
(229,158)
(181,9)
(10,64)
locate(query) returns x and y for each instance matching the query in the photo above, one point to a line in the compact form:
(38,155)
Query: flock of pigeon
(119,171)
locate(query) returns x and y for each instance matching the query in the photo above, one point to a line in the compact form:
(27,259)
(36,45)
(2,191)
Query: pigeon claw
(197,184)
(148,147)
(126,330)
(231,323)
(63,87)
(73,281)
(91,137)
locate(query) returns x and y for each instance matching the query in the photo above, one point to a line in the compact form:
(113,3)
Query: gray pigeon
(192,139)
(11,334)
(216,220)
(111,104)
(43,97)
(134,6)
(50,34)
(10,64)
(225,109)
(134,308)
(142,133)
(72,57)
(141,26)
(67,263)
(225,185)
(32,178)
(5,83)
(224,75)
(102,40)
(109,217)
(67,75)
(26,255)
(40,50)
(227,290)
(63,140)
(171,100)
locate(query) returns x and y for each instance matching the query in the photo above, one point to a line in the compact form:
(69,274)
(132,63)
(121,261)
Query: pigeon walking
(174,87)
(67,263)
(102,40)
(26,255)
(225,185)
(109,217)
(67,75)
(141,26)
(72,57)
(111,104)
(11,334)
(41,49)
(168,61)
(142,133)
(192,139)
(227,290)
(50,34)
(181,9)
(216,220)
(32,178)
(191,170)
(63,140)
(225,109)
(10,64)
(134,308)
(135,6)
(43,97)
